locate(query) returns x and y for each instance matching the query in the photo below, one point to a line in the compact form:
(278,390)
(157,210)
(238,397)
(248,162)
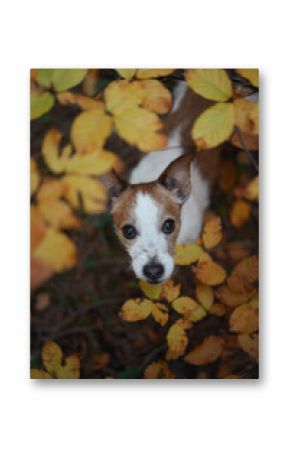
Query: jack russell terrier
(161,205)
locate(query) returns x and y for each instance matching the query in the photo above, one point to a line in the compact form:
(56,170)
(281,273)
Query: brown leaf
(244,319)
(207,352)
(244,275)
(209,273)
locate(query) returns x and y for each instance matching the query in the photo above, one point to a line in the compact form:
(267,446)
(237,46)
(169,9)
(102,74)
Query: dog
(162,204)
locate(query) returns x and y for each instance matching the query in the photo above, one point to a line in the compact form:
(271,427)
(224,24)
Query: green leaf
(44,77)
(64,79)
(40,104)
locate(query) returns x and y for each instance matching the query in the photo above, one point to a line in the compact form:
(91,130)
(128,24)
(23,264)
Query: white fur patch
(150,242)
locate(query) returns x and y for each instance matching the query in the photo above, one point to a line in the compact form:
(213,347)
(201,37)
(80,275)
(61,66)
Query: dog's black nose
(153,271)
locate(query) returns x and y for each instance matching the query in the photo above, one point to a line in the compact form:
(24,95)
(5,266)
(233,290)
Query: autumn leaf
(205,295)
(212,233)
(210,273)
(50,151)
(136,309)
(213,126)
(170,291)
(56,251)
(184,305)
(158,370)
(58,214)
(227,175)
(156,97)
(64,79)
(44,77)
(246,115)
(250,74)
(34,176)
(91,191)
(90,130)
(127,73)
(120,95)
(250,344)
(240,213)
(251,191)
(160,313)
(177,339)
(85,103)
(244,275)
(51,356)
(152,291)
(232,299)
(213,84)
(207,352)
(141,128)
(244,319)
(187,254)
(39,374)
(153,73)
(40,104)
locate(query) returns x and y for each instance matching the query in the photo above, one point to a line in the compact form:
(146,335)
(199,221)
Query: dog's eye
(129,232)
(168,226)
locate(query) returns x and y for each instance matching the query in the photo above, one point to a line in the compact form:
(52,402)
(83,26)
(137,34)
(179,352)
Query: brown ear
(115,185)
(176,177)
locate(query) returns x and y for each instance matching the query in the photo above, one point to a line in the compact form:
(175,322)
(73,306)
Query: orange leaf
(136,309)
(158,370)
(244,319)
(204,294)
(250,344)
(160,313)
(207,352)
(244,275)
(177,339)
(232,299)
(212,233)
(171,291)
(210,273)
(240,213)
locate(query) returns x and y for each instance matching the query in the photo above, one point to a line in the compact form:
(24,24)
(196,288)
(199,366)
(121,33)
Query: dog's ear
(114,185)
(176,177)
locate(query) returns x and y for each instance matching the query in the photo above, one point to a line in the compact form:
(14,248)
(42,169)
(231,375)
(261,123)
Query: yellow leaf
(34,176)
(198,314)
(91,192)
(213,126)
(246,115)
(252,190)
(244,319)
(126,73)
(160,313)
(39,374)
(37,227)
(50,151)
(177,339)
(51,356)
(136,309)
(153,73)
(56,251)
(64,79)
(156,97)
(58,214)
(171,291)
(158,370)
(187,254)
(244,275)
(210,273)
(207,352)
(184,305)
(90,130)
(140,128)
(204,294)
(213,84)
(231,299)
(85,103)
(70,369)
(212,232)
(152,291)
(95,163)
(240,213)
(50,189)
(250,344)
(40,104)
(120,95)
(250,74)
(44,77)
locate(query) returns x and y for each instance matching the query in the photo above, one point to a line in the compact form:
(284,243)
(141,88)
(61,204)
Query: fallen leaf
(171,291)
(213,126)
(250,74)
(89,190)
(213,84)
(85,103)
(64,79)
(44,77)
(160,313)
(187,254)
(244,275)
(39,374)
(246,115)
(158,370)
(152,291)
(212,232)
(177,339)
(210,273)
(40,104)
(207,352)
(205,296)
(184,305)
(251,191)
(136,309)
(250,344)
(156,97)
(240,213)
(232,299)
(227,175)
(127,73)
(153,73)
(244,319)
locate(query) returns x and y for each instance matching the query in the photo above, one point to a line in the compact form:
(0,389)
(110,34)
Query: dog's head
(147,218)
